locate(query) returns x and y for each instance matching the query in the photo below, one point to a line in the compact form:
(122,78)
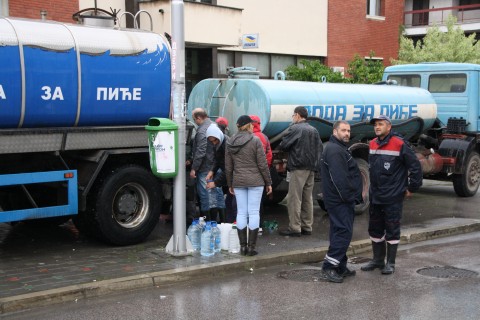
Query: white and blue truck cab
(455,137)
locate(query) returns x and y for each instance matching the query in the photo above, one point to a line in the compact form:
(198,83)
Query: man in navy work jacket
(395,173)
(342,189)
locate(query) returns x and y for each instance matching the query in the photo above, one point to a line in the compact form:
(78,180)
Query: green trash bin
(163,146)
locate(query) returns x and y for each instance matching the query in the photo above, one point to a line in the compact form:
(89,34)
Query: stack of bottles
(206,237)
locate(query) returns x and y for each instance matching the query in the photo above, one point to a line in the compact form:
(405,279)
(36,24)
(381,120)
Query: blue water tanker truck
(444,152)
(74,101)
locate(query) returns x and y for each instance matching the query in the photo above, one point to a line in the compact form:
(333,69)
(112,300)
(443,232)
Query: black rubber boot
(378,261)
(221,213)
(242,237)
(252,242)
(391,254)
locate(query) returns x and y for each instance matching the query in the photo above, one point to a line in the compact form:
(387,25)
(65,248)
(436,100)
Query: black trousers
(384,222)
(341,229)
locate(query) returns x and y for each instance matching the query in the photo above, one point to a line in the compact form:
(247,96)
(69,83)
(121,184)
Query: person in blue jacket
(395,173)
(342,189)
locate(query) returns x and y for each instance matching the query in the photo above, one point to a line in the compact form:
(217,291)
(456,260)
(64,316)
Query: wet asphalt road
(34,258)
(296,292)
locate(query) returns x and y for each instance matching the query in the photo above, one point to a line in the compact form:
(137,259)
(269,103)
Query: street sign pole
(179,244)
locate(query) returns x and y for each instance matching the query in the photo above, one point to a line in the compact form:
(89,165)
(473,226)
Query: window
(467,2)
(225,59)
(266,64)
(442,83)
(375,8)
(259,61)
(280,63)
(422,18)
(407,80)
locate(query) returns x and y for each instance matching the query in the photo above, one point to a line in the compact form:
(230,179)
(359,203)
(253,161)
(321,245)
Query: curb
(247,264)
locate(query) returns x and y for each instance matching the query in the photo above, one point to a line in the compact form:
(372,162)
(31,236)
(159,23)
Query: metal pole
(179,243)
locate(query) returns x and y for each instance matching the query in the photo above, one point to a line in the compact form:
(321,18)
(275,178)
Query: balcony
(417,21)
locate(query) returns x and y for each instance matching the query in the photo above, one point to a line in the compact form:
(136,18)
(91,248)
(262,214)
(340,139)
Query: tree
(451,46)
(365,71)
(360,70)
(312,70)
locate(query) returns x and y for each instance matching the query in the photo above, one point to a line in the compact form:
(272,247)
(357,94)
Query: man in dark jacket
(342,189)
(304,147)
(395,172)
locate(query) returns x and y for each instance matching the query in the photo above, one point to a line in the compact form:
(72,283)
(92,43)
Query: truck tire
(364,171)
(277,197)
(126,207)
(362,207)
(466,184)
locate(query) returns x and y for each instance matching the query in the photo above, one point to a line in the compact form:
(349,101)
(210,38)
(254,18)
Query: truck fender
(459,149)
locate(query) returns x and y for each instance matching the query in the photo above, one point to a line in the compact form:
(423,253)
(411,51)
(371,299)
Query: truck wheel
(127,205)
(363,166)
(277,197)
(466,184)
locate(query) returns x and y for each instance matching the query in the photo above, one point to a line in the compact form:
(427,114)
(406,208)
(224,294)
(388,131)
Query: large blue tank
(60,75)
(274,101)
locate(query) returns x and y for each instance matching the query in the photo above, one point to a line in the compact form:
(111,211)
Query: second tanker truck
(441,126)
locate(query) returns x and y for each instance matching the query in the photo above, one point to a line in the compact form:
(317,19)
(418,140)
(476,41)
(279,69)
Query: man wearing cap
(222,123)
(395,173)
(304,147)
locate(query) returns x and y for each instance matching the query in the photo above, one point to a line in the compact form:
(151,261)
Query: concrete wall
(204,24)
(285,26)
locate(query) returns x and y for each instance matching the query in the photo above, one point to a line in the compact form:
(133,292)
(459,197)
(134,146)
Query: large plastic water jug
(225,229)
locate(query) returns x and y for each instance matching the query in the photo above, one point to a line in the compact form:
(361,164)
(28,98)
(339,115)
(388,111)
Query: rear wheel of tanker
(364,172)
(127,205)
(466,184)
(276,198)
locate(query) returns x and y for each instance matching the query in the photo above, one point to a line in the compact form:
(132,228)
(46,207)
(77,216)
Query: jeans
(208,198)
(248,207)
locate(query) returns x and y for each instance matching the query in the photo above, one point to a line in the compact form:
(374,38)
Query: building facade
(268,35)
(362,26)
(419,15)
(273,34)
(52,10)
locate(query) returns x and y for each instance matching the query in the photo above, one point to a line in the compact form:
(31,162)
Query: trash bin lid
(161,124)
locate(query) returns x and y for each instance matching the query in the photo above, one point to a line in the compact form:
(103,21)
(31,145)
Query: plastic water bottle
(201,223)
(194,233)
(212,197)
(207,244)
(233,242)
(217,237)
